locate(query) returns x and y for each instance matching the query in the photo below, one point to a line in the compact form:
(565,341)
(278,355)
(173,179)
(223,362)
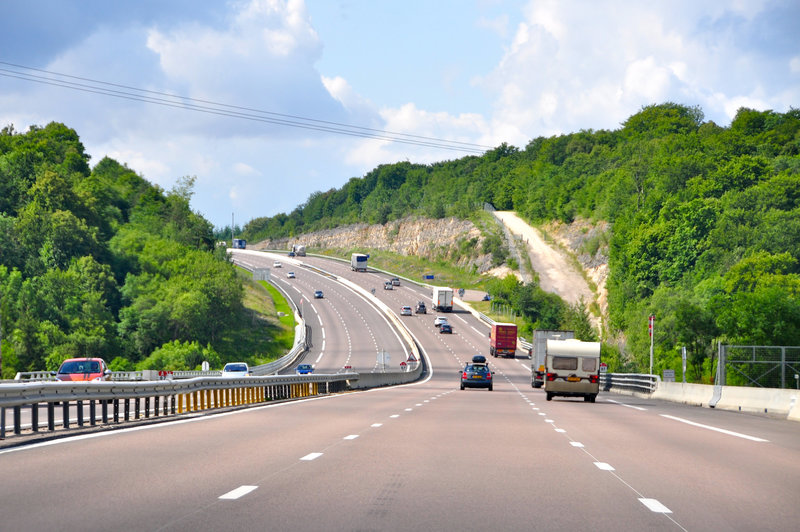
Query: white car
(236,369)
(290,275)
(277,264)
(405,311)
(439,320)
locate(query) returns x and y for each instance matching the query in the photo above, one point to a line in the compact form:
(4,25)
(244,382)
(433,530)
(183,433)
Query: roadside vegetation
(98,262)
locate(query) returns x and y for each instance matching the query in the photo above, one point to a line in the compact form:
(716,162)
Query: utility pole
(650,324)
(231,230)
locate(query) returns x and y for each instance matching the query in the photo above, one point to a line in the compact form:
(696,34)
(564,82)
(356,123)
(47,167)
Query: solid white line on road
(351,437)
(654,506)
(716,429)
(623,404)
(459,317)
(311,456)
(476,330)
(604,466)
(576,444)
(321,353)
(319,317)
(526,366)
(241,491)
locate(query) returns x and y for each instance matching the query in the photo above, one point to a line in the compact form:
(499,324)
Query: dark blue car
(305,369)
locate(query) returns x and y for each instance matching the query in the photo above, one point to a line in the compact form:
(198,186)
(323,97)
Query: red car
(83,369)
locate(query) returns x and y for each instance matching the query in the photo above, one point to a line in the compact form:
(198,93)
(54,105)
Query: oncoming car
(304,369)
(405,310)
(236,369)
(83,369)
(476,375)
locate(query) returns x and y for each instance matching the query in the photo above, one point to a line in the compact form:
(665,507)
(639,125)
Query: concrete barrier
(766,401)
(758,400)
(679,392)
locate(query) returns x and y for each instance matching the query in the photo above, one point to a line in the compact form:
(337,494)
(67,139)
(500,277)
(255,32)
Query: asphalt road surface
(419,457)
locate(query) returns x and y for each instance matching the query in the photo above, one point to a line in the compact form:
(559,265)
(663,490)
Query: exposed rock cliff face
(421,237)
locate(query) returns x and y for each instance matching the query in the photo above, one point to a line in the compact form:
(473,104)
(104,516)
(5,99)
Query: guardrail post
(35,417)
(104,410)
(92,412)
(80,413)
(51,416)
(136,406)
(127,409)
(2,423)
(65,414)
(146,407)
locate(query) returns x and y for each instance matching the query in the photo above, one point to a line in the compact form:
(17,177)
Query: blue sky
(481,72)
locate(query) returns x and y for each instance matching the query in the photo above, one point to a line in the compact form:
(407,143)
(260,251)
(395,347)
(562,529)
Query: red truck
(503,340)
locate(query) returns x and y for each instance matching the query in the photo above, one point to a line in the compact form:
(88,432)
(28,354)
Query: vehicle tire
(586,398)
(592,398)
(490,388)
(549,396)
(462,386)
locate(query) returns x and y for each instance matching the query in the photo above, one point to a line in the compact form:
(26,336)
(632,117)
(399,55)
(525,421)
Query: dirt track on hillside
(556,273)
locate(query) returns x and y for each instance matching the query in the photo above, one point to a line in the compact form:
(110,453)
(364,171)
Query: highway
(418,457)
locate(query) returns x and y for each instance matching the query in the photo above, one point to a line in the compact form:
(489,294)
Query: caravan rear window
(565,363)
(589,365)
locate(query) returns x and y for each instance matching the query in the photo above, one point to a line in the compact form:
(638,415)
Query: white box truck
(538,349)
(358,262)
(442,299)
(299,250)
(572,369)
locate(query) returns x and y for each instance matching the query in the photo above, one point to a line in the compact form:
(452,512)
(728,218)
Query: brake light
(552,376)
(594,379)
(464,375)
(489,375)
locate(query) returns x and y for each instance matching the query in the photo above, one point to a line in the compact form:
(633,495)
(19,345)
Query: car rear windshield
(565,363)
(235,367)
(478,368)
(80,366)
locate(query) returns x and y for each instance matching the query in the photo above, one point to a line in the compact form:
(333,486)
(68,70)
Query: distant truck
(572,369)
(358,262)
(442,299)
(503,340)
(299,250)
(239,243)
(540,337)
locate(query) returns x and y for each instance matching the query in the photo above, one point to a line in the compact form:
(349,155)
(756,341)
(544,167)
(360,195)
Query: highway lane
(421,457)
(346,329)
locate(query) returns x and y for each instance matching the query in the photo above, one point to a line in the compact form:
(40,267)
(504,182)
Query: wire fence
(761,366)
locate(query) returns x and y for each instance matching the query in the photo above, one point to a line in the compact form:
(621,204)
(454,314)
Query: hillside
(700,223)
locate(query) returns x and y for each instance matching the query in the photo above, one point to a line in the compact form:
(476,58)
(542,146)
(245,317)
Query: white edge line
(715,429)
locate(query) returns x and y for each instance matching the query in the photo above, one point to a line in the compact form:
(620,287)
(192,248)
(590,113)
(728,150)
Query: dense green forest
(99,262)
(705,221)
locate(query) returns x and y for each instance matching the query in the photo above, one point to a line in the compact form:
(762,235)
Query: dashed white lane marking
(376,425)
(604,466)
(351,437)
(241,491)
(561,430)
(394,416)
(654,506)
(321,354)
(576,444)
(715,429)
(549,421)
(323,334)
(409,409)
(311,456)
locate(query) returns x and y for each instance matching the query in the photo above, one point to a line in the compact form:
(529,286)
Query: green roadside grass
(264,330)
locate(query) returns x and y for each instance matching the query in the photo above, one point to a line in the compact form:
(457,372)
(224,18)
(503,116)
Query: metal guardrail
(630,382)
(160,398)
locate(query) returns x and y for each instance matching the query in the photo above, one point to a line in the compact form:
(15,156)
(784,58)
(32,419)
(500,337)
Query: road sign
(603,367)
(427,276)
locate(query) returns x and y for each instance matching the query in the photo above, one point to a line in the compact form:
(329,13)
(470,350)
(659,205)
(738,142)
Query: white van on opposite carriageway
(572,369)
